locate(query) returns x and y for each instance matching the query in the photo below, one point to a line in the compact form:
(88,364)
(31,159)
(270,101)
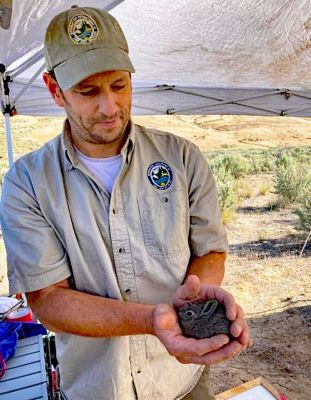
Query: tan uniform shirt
(59,222)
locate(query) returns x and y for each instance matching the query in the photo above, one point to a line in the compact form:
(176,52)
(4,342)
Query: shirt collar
(71,159)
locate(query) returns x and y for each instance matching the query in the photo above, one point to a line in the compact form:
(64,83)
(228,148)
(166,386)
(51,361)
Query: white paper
(256,393)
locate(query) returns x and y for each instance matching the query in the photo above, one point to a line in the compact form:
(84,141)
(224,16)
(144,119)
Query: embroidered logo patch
(82,29)
(160,175)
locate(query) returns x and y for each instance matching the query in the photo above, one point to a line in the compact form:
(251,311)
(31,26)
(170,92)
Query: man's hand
(204,351)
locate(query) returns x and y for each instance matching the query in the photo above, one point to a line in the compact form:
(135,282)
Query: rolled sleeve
(207,232)
(35,255)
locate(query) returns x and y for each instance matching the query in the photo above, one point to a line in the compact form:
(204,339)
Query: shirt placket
(121,247)
(127,283)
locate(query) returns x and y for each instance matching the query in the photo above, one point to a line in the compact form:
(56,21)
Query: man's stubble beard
(82,131)
(110,135)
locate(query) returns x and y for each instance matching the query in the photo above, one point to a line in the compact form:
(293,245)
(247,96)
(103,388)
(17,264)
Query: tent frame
(7,111)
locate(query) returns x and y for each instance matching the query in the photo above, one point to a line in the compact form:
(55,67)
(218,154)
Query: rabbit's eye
(189,314)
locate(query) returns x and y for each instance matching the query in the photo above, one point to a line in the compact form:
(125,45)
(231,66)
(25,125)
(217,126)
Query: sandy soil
(273,284)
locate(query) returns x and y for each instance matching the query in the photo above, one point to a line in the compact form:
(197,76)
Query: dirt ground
(273,284)
(264,270)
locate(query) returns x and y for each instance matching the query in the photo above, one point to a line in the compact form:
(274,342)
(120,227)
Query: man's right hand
(188,350)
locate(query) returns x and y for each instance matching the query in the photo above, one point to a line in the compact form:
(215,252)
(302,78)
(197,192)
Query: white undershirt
(105,169)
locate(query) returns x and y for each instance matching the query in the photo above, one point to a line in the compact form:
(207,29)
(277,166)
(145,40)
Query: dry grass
(264,189)
(243,189)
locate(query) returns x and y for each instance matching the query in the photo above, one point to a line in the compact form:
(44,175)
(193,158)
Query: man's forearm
(62,309)
(210,268)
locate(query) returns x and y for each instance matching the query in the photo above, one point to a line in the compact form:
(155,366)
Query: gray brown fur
(203,319)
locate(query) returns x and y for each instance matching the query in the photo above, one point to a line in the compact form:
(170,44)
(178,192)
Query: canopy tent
(191,56)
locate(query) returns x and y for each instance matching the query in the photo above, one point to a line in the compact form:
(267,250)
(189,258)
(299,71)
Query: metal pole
(8,132)
(6,109)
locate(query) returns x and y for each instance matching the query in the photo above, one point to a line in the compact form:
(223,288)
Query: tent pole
(8,132)
(6,109)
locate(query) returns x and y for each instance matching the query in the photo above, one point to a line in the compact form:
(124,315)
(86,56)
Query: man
(110,228)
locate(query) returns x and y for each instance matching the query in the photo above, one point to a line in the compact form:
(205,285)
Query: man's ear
(54,89)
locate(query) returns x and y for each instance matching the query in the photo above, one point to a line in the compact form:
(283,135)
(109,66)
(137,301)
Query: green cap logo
(82,29)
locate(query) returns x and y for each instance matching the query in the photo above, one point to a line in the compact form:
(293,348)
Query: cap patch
(160,175)
(82,29)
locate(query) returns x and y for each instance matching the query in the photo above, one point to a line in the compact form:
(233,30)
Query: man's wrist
(149,319)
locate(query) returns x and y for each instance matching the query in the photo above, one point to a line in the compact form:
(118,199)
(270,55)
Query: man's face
(98,109)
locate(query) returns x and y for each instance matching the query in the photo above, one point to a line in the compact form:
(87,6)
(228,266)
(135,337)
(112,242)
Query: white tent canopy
(191,57)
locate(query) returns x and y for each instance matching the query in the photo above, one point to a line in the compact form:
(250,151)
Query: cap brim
(76,69)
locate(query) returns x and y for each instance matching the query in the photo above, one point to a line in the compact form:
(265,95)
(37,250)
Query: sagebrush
(292,179)
(304,213)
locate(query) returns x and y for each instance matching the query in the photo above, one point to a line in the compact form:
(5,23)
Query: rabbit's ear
(209,308)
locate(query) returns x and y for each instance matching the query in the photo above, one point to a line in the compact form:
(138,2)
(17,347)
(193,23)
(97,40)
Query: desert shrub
(299,155)
(227,197)
(241,163)
(289,166)
(253,161)
(304,213)
(291,180)
(260,161)
(237,164)
(284,160)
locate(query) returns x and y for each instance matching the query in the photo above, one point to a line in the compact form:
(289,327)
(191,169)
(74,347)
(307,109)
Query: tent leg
(8,133)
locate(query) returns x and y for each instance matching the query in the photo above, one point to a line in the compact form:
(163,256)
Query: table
(25,377)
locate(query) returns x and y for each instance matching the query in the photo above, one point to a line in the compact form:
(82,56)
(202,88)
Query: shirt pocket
(165,223)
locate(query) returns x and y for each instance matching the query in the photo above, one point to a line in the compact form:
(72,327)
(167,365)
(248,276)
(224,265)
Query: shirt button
(138,371)
(122,250)
(164,199)
(113,211)
(128,292)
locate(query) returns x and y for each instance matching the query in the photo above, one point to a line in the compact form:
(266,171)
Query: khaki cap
(84,41)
